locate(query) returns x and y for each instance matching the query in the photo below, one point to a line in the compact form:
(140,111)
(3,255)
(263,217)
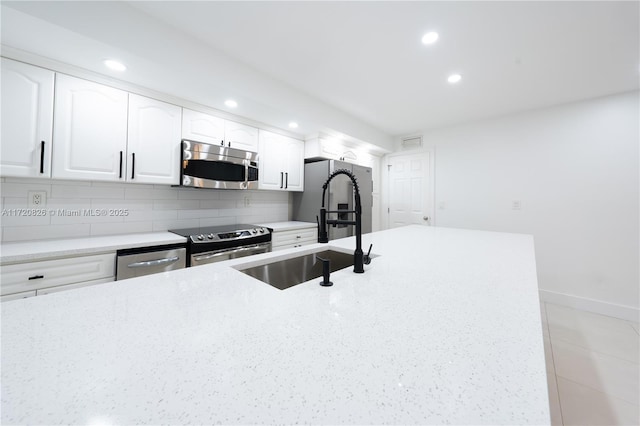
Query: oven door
(229,253)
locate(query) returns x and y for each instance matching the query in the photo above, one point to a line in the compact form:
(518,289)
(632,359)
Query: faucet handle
(367,259)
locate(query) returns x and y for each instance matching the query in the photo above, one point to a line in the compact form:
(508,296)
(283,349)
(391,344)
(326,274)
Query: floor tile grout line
(553,361)
(597,390)
(591,349)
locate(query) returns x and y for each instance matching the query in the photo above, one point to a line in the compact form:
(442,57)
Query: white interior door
(409,189)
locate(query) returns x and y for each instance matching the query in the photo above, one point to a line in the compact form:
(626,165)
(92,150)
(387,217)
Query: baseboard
(628,313)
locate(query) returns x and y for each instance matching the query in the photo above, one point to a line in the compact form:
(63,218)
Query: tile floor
(592,367)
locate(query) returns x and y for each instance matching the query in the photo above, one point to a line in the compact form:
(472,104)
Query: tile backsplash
(82,209)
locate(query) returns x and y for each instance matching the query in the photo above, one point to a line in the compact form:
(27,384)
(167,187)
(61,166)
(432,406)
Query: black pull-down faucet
(359,259)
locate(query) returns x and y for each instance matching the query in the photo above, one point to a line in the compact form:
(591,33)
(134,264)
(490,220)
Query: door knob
(425,217)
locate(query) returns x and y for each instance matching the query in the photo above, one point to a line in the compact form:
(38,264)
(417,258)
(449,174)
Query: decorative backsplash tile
(82,209)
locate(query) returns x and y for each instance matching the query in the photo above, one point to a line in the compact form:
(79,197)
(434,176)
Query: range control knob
(210,236)
(253,231)
(262,230)
(200,237)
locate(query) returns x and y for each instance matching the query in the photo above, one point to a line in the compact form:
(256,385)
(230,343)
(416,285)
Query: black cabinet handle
(229,144)
(36,277)
(222,142)
(41,156)
(120,165)
(133,164)
(286,180)
(281,180)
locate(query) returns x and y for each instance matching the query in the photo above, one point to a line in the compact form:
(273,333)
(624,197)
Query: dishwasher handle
(164,261)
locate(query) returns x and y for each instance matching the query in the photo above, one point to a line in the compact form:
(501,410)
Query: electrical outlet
(516,205)
(37,199)
(247,201)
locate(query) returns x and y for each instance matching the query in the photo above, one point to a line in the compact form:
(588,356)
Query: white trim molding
(624,312)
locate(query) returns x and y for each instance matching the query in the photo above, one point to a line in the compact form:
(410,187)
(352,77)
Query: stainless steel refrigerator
(307,204)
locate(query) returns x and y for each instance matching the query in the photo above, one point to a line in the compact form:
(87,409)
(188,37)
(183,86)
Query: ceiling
(359,67)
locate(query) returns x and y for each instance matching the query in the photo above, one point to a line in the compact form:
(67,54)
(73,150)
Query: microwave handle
(246,173)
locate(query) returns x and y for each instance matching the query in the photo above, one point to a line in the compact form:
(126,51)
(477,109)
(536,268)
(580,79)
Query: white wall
(151,208)
(574,169)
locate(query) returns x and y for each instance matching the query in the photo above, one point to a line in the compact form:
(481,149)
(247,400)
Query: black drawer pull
(36,277)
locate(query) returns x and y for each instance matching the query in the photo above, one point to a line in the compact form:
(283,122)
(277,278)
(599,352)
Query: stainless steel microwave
(218,167)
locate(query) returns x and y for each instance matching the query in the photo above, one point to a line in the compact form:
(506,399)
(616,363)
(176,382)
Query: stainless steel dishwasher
(149,260)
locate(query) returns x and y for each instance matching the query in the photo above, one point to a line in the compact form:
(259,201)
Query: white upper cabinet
(153,148)
(281,162)
(240,136)
(294,164)
(201,127)
(27,120)
(90,130)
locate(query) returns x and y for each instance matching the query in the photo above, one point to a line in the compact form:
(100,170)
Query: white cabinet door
(294,165)
(240,136)
(22,277)
(90,130)
(200,127)
(272,157)
(153,149)
(27,120)
(281,162)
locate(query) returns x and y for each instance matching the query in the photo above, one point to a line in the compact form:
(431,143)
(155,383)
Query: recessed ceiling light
(430,38)
(454,78)
(293,125)
(114,65)
(231,103)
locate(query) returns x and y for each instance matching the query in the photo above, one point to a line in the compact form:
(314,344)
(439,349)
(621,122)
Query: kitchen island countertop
(443,327)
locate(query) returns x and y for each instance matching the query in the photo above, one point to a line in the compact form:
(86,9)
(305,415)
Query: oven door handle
(153,262)
(211,255)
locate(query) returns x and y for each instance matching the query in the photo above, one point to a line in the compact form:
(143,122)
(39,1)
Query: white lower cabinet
(281,240)
(24,279)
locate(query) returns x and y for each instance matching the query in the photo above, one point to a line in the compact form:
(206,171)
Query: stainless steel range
(217,243)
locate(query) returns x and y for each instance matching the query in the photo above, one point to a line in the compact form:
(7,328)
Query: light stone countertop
(32,251)
(288,226)
(443,327)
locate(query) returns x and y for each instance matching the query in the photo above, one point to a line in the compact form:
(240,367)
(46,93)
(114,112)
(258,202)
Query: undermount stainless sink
(286,273)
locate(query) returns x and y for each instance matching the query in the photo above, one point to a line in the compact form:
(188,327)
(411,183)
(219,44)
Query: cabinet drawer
(294,237)
(50,273)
